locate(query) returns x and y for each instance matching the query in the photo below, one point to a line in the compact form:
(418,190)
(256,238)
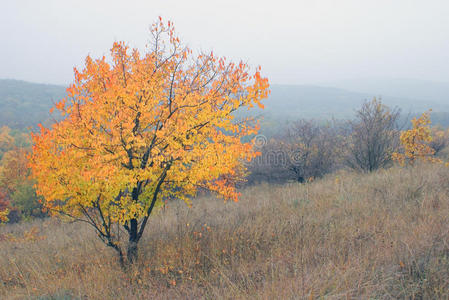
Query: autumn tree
(6,143)
(13,169)
(12,172)
(6,140)
(16,189)
(416,142)
(18,186)
(141,128)
(4,207)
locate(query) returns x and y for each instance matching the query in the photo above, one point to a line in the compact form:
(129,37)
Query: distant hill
(292,102)
(433,93)
(307,101)
(24,104)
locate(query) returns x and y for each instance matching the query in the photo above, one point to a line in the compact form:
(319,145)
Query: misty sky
(295,42)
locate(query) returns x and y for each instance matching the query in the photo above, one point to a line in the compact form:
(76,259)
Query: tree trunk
(121,259)
(132,242)
(133,230)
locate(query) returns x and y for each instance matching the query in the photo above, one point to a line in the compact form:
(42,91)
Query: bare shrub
(270,166)
(306,150)
(374,136)
(312,149)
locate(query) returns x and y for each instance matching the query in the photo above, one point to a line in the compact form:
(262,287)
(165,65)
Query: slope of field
(377,236)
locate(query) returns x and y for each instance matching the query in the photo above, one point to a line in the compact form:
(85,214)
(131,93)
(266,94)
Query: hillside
(433,92)
(307,101)
(25,104)
(348,236)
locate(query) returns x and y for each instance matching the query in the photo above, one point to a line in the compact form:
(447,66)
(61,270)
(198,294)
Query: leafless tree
(270,166)
(312,149)
(374,136)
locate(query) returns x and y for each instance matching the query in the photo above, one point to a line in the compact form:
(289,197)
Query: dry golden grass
(379,236)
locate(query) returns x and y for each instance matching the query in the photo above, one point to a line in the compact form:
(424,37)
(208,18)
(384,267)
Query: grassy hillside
(378,236)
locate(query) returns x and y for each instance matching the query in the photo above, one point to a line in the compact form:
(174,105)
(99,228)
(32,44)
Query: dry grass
(379,236)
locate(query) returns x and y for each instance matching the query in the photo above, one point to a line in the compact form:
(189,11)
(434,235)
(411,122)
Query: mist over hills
(308,101)
(425,90)
(291,102)
(24,104)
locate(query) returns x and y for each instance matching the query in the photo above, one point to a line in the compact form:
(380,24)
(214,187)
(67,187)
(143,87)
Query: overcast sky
(295,42)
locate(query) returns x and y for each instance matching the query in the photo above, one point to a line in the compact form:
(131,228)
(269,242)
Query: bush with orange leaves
(4,208)
(416,143)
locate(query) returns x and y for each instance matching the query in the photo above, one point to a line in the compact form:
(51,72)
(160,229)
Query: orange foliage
(14,172)
(415,142)
(14,169)
(6,140)
(140,128)
(4,207)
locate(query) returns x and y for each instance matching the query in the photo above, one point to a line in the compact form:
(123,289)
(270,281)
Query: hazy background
(323,57)
(325,42)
